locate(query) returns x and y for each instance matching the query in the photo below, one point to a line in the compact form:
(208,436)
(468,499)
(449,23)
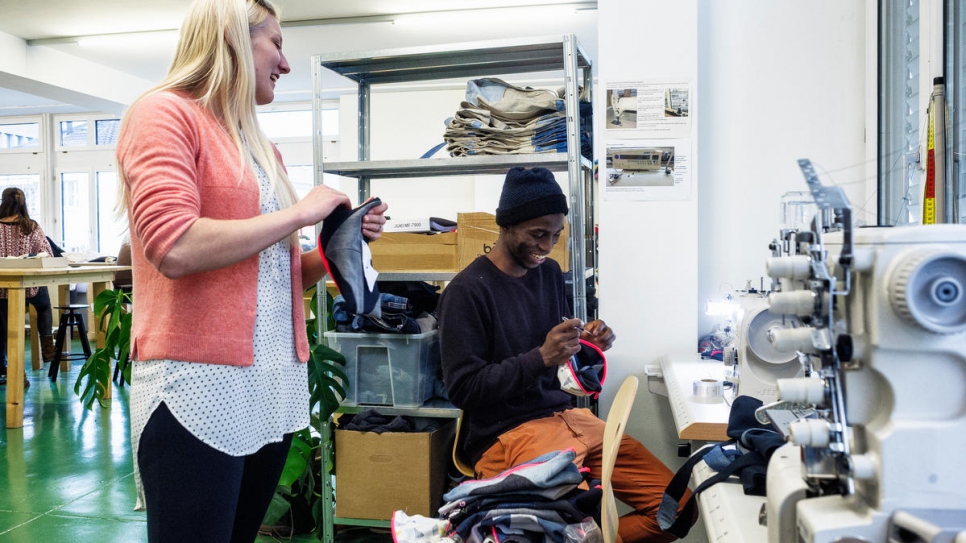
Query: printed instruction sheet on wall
(649,109)
(648,169)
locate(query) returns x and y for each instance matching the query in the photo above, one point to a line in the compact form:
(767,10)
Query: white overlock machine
(881,456)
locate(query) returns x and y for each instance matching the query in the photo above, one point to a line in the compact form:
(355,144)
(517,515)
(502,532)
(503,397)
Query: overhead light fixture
(158,38)
(495,16)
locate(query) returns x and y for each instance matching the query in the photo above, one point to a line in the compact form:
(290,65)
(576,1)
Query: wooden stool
(70,317)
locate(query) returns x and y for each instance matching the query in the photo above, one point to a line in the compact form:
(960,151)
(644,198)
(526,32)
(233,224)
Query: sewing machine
(621,104)
(885,310)
(757,363)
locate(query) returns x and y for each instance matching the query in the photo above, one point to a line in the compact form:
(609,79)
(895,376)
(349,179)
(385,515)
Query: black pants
(196,493)
(45,319)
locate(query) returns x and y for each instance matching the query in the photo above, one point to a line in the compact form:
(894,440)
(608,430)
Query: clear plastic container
(388,369)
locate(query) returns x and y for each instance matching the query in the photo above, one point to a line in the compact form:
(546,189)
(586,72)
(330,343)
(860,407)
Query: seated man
(501,341)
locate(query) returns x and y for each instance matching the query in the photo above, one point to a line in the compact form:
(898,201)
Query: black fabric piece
(370,420)
(55,249)
(340,244)
(422,296)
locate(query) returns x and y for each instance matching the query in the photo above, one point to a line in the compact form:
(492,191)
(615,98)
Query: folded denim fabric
(345,253)
(511,101)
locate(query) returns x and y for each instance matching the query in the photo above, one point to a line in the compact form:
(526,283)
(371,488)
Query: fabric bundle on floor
(536,502)
(498,118)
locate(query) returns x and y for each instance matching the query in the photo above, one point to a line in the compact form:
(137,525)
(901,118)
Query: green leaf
(114,319)
(277,509)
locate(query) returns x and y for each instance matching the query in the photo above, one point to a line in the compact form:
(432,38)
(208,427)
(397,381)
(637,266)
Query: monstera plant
(111,310)
(298,496)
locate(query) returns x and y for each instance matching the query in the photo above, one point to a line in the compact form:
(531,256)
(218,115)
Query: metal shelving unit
(559,54)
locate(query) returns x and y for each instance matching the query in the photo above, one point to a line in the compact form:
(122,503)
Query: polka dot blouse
(236,410)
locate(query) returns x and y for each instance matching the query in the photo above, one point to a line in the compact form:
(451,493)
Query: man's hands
(563,340)
(598,333)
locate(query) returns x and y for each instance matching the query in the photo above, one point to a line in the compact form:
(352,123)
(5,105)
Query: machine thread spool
(707,390)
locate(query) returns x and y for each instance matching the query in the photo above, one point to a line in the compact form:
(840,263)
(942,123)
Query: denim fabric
(395,316)
(510,101)
(500,119)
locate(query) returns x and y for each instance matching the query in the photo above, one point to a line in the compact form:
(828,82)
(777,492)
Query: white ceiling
(310,27)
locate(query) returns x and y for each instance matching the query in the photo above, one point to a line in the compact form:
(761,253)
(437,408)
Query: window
(73,133)
(297,123)
(107,130)
(86,132)
(22,136)
(30,185)
(899,117)
(110,229)
(75,211)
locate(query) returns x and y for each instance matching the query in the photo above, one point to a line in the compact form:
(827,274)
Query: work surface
(17,281)
(729,515)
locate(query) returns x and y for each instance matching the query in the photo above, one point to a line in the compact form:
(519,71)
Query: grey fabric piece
(551,475)
(341,246)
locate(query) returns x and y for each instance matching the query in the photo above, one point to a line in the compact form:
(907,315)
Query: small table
(695,420)
(16,281)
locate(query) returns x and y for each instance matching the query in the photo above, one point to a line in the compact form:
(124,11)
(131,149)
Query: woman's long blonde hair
(213,63)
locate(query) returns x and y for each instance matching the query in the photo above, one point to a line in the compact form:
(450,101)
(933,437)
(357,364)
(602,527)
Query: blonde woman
(219,380)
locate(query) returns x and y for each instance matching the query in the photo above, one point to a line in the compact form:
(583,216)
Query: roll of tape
(707,390)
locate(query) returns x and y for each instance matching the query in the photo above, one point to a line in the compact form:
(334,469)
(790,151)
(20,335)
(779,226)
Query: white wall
(649,249)
(775,81)
(779,81)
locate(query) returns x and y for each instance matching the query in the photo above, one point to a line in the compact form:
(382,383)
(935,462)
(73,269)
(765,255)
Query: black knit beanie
(528,194)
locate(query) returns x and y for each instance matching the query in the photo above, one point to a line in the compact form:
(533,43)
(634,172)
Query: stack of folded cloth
(500,119)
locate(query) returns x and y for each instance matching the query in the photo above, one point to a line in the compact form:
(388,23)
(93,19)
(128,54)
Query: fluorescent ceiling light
(161,38)
(492,16)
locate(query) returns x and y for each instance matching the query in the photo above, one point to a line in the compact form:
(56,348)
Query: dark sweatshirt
(491,328)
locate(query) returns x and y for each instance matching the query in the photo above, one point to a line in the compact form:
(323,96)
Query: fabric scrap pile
(498,118)
(536,502)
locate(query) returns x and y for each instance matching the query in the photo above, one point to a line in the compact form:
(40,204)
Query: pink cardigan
(180,165)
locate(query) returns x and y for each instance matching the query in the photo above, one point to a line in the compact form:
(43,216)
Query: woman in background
(21,235)
(219,382)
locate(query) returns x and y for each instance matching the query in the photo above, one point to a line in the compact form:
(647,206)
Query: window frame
(27,119)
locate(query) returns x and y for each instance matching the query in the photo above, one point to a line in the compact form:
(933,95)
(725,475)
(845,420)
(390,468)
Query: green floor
(67,475)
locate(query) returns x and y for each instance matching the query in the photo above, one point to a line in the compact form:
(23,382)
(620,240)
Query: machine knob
(796,302)
(863,467)
(810,432)
(804,390)
(927,289)
(843,347)
(791,267)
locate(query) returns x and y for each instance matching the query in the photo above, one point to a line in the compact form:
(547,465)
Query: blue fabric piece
(720,456)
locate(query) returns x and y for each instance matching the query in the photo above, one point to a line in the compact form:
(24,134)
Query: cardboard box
(377,474)
(477,232)
(402,252)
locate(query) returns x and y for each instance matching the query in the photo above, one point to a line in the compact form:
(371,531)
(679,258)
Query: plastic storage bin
(388,369)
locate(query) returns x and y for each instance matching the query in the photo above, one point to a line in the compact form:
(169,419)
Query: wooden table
(16,281)
(695,420)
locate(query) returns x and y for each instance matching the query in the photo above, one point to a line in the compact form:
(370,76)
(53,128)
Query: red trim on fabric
(325,262)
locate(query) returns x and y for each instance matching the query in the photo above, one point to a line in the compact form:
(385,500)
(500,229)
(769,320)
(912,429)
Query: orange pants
(639,479)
